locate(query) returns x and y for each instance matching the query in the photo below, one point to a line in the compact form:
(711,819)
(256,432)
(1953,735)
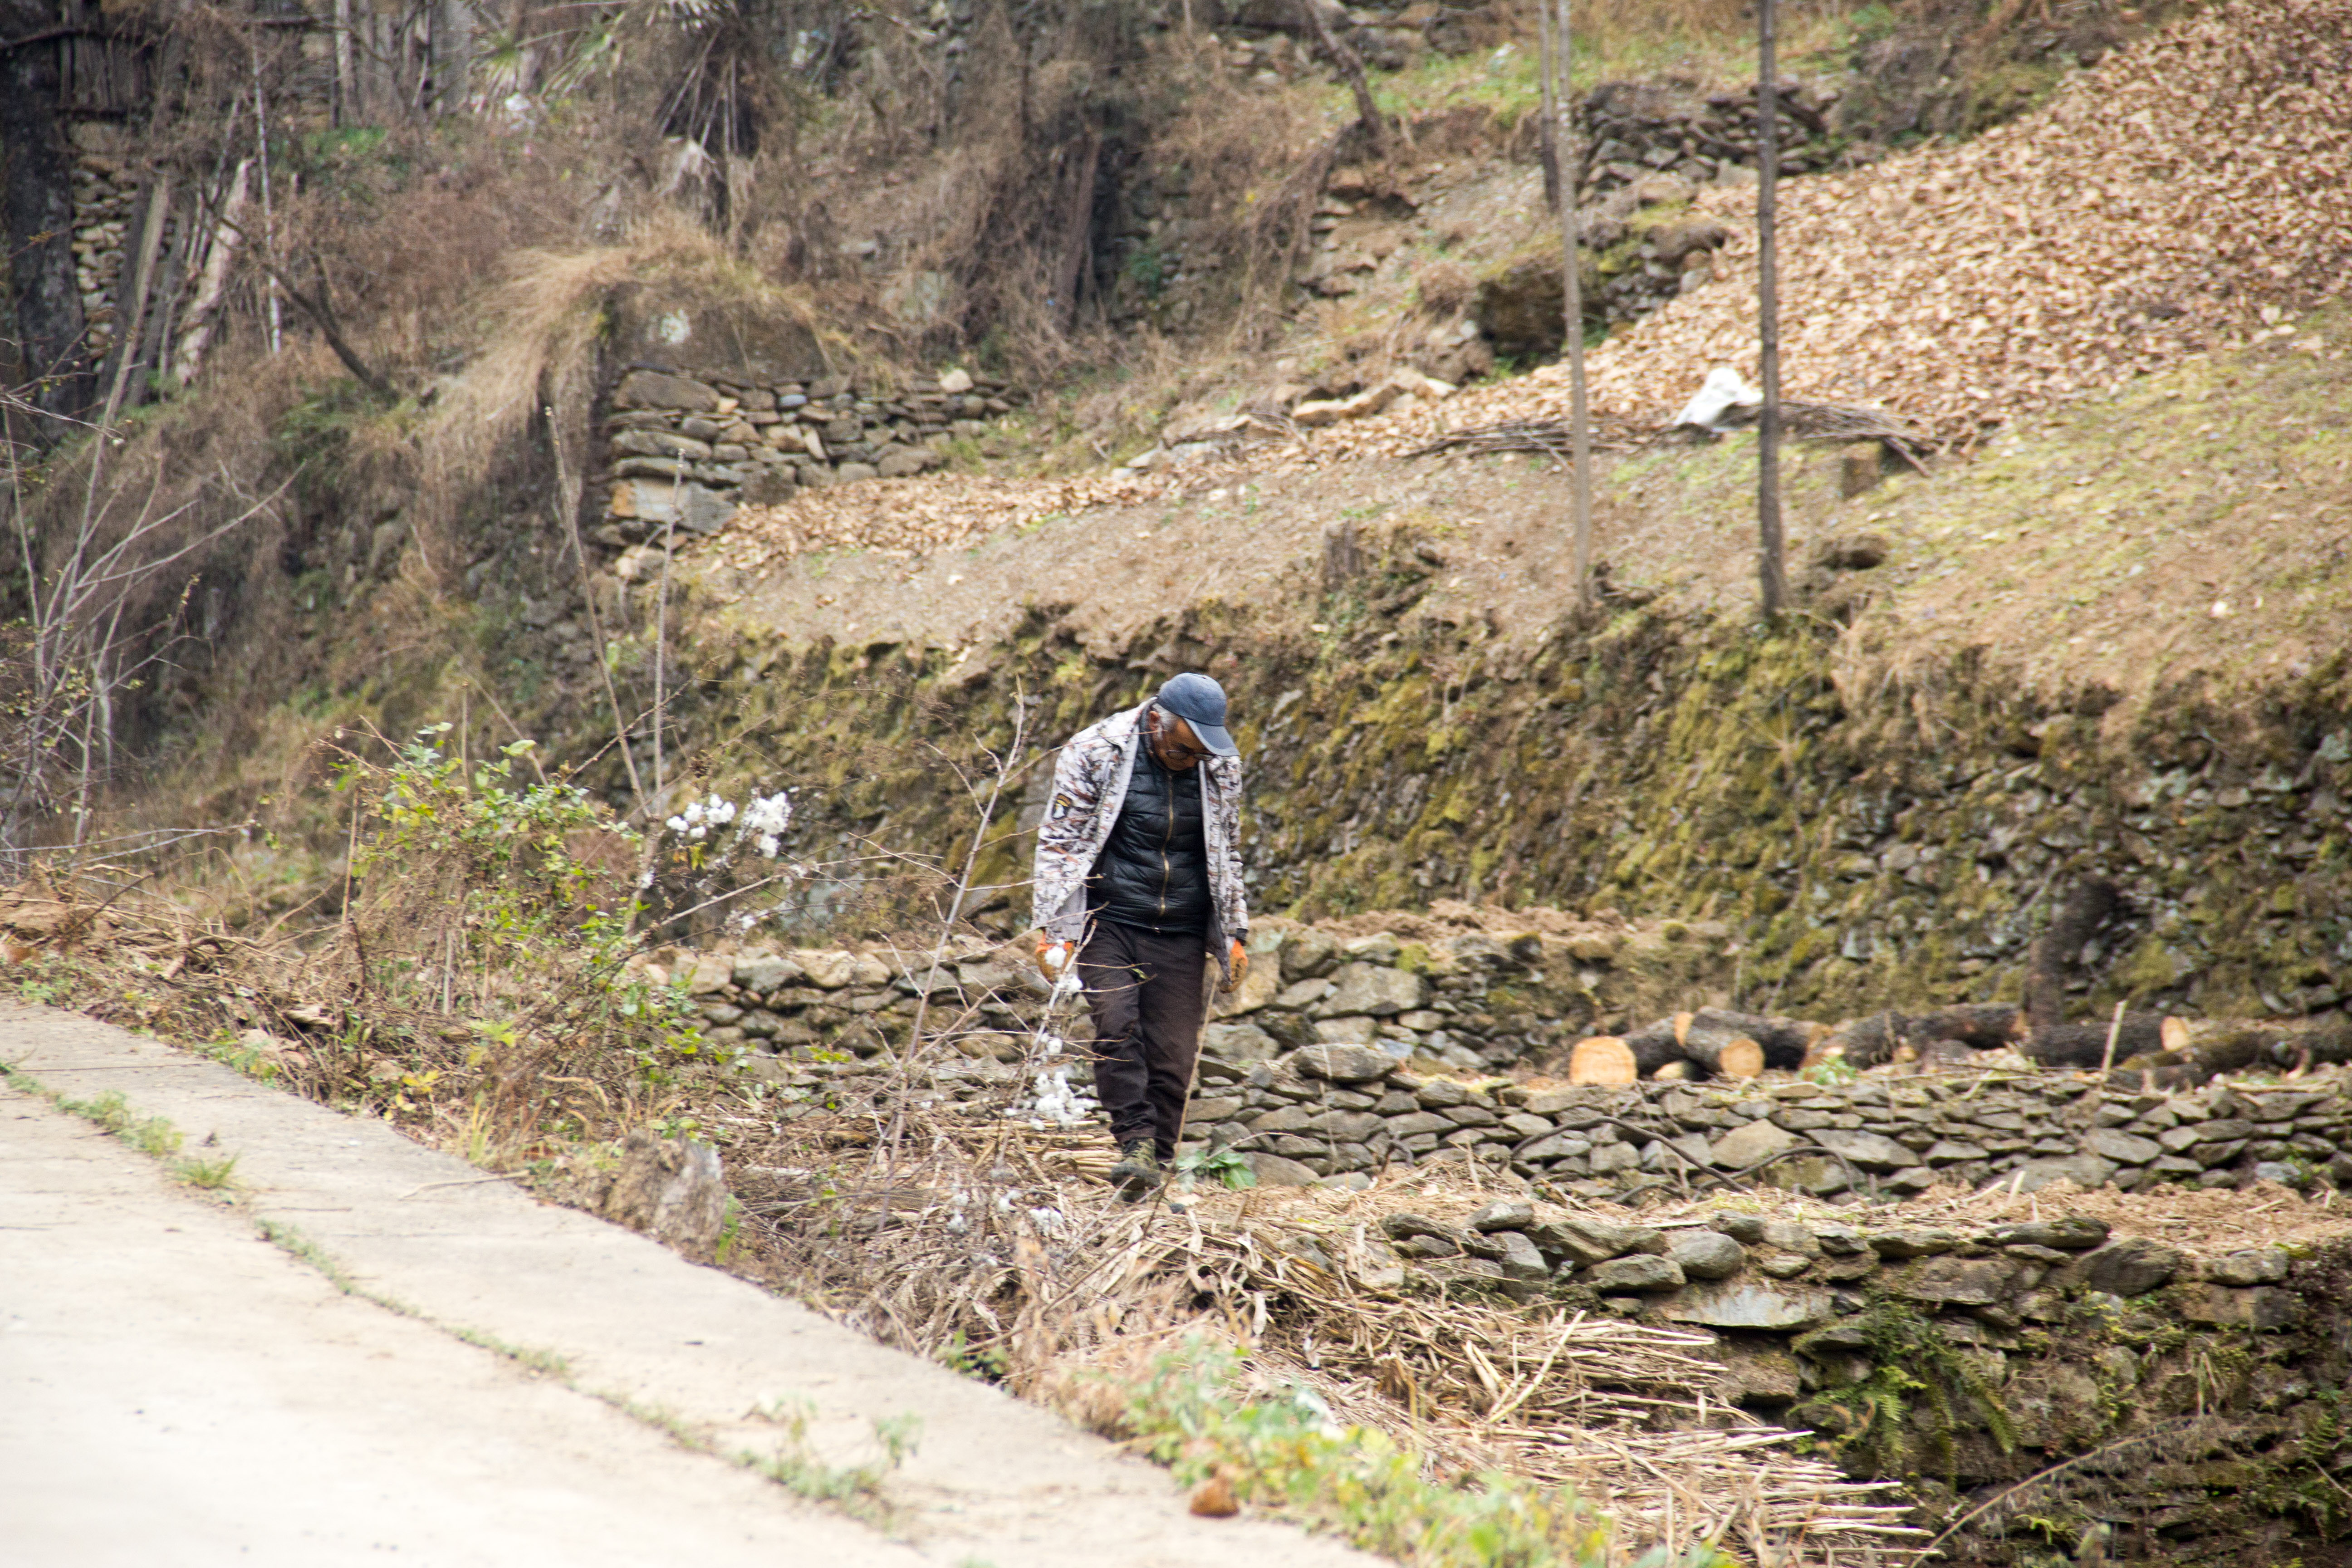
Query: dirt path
(177,1387)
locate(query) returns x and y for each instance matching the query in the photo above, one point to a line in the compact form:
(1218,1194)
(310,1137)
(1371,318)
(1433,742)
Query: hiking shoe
(1138,1173)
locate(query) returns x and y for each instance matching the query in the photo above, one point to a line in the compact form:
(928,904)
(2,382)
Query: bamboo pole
(1767,313)
(130,310)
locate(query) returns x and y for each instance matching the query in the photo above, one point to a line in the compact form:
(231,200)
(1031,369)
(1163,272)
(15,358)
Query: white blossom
(1054,1099)
(769,816)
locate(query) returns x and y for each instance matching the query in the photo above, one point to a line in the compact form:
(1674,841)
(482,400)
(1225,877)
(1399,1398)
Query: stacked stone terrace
(1342,1058)
(687,451)
(1333,1110)
(1805,1306)
(104,191)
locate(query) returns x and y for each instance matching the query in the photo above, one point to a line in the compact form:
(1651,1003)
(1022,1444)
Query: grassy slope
(2197,525)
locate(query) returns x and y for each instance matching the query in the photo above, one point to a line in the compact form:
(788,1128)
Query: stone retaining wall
(1332,1110)
(1971,1355)
(1463,1001)
(1742,1270)
(105,191)
(1639,129)
(1344,1055)
(2188,1382)
(687,451)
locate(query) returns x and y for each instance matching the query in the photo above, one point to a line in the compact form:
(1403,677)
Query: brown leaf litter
(2176,200)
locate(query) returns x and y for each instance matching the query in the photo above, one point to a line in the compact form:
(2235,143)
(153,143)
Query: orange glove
(1237,969)
(1053,957)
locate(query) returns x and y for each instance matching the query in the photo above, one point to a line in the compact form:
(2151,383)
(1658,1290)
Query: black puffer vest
(1154,871)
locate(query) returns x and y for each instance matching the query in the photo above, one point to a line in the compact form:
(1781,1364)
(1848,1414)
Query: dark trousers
(1148,997)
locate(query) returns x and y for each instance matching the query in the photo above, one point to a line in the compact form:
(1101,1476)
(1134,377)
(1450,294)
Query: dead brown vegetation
(2153,210)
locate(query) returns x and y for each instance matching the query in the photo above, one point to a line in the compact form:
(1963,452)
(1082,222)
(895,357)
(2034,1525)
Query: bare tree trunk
(1351,65)
(37,220)
(1769,570)
(1077,254)
(1548,128)
(2055,953)
(346,84)
(453,54)
(269,248)
(1572,275)
(213,280)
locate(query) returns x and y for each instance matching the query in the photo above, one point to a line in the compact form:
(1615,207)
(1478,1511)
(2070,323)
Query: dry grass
(1001,1245)
(1625,1413)
(536,347)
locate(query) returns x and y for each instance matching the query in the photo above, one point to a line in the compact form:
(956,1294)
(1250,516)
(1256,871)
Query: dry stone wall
(1463,1001)
(104,191)
(685,451)
(1347,1055)
(2191,1380)
(1640,129)
(1330,1110)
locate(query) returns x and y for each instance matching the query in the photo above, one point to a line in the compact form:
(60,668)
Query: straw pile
(1619,1410)
(1004,1237)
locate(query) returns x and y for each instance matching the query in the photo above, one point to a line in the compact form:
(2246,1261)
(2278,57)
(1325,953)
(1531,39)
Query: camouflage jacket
(1089,787)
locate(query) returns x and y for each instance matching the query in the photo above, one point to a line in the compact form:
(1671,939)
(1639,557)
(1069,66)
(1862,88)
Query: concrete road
(174,1389)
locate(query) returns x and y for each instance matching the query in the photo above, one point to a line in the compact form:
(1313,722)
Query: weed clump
(1284,1451)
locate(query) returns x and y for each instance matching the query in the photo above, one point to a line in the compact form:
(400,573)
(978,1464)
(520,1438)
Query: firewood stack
(2158,1050)
(1712,1042)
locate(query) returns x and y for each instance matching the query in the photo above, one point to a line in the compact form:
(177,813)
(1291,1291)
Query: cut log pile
(2156,1050)
(1712,1042)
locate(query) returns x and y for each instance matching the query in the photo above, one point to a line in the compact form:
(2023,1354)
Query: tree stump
(2057,951)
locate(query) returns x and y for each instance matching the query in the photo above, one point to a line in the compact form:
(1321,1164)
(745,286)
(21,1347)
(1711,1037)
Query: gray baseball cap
(1200,702)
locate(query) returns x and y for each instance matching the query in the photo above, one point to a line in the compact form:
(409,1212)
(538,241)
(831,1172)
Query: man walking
(1138,876)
